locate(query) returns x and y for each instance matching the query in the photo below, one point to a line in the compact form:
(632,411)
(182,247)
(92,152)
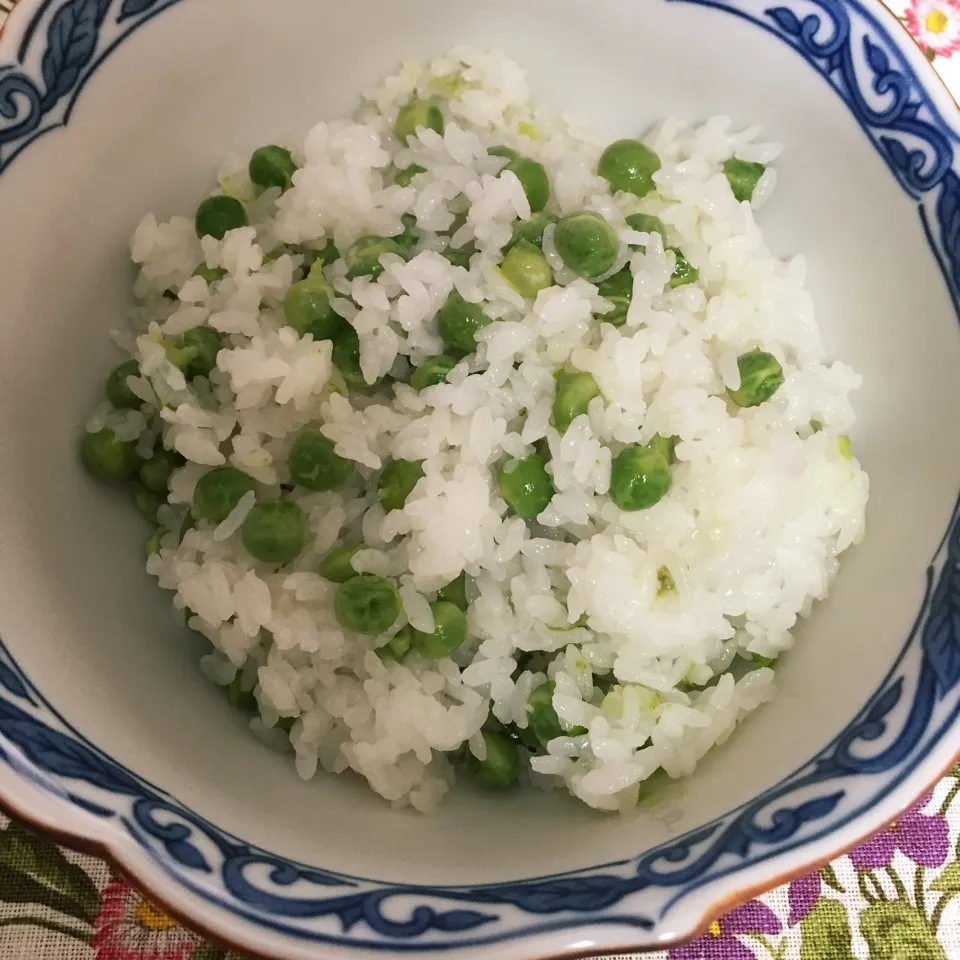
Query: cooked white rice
(762,503)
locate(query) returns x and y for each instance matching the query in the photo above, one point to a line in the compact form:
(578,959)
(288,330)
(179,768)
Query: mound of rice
(763,502)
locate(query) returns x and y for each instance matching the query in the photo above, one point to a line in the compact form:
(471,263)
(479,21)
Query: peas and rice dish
(475,443)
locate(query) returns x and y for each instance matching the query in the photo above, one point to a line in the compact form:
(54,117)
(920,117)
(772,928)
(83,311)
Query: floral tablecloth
(896,898)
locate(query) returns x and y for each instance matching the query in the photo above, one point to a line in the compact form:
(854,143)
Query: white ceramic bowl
(109,734)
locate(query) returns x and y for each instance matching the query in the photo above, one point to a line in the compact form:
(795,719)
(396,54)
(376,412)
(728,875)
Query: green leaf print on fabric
(33,870)
(896,931)
(949,880)
(825,933)
(829,876)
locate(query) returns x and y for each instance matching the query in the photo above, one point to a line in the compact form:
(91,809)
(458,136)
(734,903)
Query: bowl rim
(37,793)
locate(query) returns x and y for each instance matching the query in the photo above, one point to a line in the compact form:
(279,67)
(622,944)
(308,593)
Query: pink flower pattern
(131,928)
(935,25)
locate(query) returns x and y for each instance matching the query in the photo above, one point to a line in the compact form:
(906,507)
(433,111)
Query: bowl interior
(212,76)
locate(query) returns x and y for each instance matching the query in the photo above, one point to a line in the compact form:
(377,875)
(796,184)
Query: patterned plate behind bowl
(277,905)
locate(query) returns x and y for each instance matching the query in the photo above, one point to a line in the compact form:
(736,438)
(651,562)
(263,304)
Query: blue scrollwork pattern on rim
(862,67)
(907,716)
(61,48)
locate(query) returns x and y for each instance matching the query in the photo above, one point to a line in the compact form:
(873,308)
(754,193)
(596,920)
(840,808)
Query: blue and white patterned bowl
(109,736)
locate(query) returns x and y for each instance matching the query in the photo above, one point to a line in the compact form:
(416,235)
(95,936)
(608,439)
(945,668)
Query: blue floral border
(60,50)
(915,707)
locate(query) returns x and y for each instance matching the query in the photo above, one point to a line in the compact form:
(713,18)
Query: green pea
(629,165)
(455,592)
(587,244)
(499,767)
(329,254)
(326,255)
(432,371)
(574,391)
(508,153)
(118,393)
(410,236)
(743,177)
(205,343)
(526,269)
(403,178)
(398,646)
(238,698)
(272,166)
(155,473)
(449,632)
(645,223)
(397,481)
(216,216)
(618,289)
(534,180)
(844,447)
(459,257)
(541,716)
(148,502)
(523,737)
(418,114)
(367,604)
(762,661)
(459,321)
(338,565)
(363,257)
(639,478)
(531,230)
(761,376)
(346,357)
(314,463)
(108,458)
(275,532)
(218,491)
(210,274)
(683,273)
(308,306)
(526,486)
(666,446)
